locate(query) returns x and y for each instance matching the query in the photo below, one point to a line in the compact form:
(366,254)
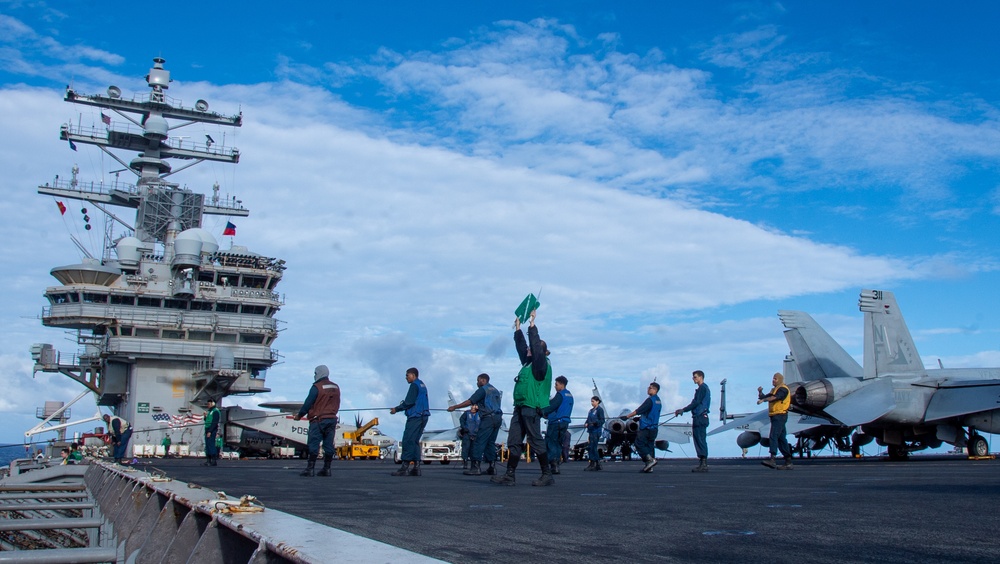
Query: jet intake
(817,394)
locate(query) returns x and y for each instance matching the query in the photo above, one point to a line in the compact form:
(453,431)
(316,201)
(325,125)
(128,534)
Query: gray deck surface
(940,509)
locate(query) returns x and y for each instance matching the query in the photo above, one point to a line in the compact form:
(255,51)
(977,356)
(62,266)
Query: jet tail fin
(456,417)
(889,347)
(817,355)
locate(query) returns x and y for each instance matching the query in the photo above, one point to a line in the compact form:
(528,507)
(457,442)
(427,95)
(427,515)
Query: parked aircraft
(895,401)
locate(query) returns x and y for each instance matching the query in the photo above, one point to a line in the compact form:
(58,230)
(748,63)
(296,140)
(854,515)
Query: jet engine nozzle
(817,394)
(631,426)
(616,426)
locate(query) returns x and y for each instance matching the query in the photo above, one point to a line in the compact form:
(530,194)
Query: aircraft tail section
(817,355)
(889,348)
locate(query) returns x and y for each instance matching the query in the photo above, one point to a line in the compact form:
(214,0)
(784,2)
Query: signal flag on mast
(230,229)
(62,208)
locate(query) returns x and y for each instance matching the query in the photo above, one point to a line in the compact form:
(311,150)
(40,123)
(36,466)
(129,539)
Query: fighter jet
(895,401)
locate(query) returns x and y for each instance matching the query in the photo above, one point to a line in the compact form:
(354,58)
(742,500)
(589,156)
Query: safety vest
(421,408)
(778,407)
(651,419)
(212,417)
(491,403)
(529,392)
(327,402)
(122,424)
(562,414)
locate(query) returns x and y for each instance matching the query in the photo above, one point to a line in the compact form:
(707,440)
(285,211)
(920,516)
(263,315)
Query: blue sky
(668,176)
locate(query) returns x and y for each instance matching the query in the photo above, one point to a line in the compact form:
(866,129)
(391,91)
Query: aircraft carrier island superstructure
(164,319)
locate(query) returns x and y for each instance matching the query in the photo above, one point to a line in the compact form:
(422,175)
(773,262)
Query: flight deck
(927,509)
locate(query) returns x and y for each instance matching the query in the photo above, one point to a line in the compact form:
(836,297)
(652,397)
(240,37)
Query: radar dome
(209,244)
(129,250)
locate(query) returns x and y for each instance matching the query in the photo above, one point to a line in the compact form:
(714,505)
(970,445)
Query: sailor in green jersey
(532,388)
(212,417)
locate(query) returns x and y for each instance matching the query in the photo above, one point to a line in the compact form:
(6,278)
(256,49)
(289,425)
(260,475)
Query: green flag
(524,310)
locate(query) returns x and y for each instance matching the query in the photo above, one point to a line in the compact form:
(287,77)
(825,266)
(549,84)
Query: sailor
(75,456)
(321,405)
(649,420)
(557,414)
(595,428)
(779,399)
(120,432)
(166,445)
(484,449)
(417,411)
(699,407)
(212,418)
(531,395)
(468,427)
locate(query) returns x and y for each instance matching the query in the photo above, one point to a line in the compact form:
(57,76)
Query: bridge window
(145,301)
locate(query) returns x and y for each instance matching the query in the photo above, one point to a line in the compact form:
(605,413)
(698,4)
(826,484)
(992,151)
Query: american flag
(174,421)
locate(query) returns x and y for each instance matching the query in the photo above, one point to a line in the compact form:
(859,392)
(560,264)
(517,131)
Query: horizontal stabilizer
(676,433)
(865,404)
(953,402)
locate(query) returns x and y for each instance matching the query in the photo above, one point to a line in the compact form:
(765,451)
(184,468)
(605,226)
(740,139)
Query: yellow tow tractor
(358,447)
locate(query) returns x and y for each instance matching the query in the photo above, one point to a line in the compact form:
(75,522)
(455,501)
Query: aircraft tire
(978,446)
(898,452)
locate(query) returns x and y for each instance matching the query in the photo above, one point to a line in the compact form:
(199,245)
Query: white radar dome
(129,250)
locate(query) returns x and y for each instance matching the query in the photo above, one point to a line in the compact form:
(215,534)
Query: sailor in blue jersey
(595,429)
(699,407)
(468,427)
(484,448)
(417,411)
(558,416)
(649,421)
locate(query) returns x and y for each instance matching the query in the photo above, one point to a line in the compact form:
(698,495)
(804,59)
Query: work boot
(507,479)
(310,470)
(474,469)
(465,465)
(215,461)
(554,467)
(546,477)
(769,462)
(415,469)
(590,467)
(787,465)
(491,470)
(702,466)
(327,462)
(650,462)
(403,469)
(598,466)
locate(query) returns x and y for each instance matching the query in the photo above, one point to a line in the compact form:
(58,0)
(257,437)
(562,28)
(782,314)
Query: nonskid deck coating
(928,509)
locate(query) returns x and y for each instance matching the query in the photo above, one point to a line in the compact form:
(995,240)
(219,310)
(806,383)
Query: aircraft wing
(755,420)
(761,423)
(865,405)
(284,406)
(970,398)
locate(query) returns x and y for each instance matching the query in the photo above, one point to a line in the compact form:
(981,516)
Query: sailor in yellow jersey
(779,399)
